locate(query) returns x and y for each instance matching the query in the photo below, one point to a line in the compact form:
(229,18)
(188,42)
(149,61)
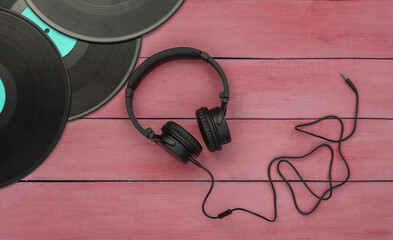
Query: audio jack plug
(349,82)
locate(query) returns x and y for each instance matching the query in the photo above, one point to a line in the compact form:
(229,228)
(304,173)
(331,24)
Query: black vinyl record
(35,96)
(105,20)
(97,71)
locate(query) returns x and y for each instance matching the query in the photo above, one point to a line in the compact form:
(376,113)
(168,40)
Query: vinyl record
(103,20)
(35,96)
(97,71)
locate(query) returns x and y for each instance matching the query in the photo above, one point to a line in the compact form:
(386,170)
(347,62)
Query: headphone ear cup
(214,134)
(206,128)
(178,142)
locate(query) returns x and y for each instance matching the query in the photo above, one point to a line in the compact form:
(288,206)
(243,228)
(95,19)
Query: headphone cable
(285,160)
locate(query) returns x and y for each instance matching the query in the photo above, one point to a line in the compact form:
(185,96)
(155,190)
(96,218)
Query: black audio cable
(286,160)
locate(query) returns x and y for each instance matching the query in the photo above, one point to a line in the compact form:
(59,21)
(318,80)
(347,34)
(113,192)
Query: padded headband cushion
(160,58)
(181,134)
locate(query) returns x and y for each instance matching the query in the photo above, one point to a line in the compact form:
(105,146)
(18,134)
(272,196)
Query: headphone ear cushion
(185,138)
(206,131)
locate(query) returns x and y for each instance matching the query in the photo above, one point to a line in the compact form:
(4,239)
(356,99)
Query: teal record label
(2,96)
(64,43)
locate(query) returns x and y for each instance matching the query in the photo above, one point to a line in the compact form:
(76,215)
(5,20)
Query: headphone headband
(163,57)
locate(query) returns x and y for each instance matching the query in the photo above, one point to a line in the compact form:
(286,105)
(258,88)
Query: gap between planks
(196,181)
(234,119)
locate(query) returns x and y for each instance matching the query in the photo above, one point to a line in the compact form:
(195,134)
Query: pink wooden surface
(279,29)
(263,89)
(114,150)
(172,211)
(293,52)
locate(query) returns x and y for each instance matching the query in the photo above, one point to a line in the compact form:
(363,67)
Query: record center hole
(47,30)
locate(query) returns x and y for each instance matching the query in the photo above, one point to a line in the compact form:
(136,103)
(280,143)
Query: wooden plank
(279,29)
(172,211)
(262,89)
(114,150)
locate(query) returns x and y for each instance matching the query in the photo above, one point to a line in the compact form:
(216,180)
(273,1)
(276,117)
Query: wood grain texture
(262,89)
(279,29)
(283,60)
(172,211)
(114,150)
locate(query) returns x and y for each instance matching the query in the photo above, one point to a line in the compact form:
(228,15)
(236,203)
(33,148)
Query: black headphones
(215,132)
(175,139)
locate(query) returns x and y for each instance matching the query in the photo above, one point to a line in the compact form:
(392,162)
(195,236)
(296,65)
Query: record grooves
(97,71)
(37,96)
(103,20)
